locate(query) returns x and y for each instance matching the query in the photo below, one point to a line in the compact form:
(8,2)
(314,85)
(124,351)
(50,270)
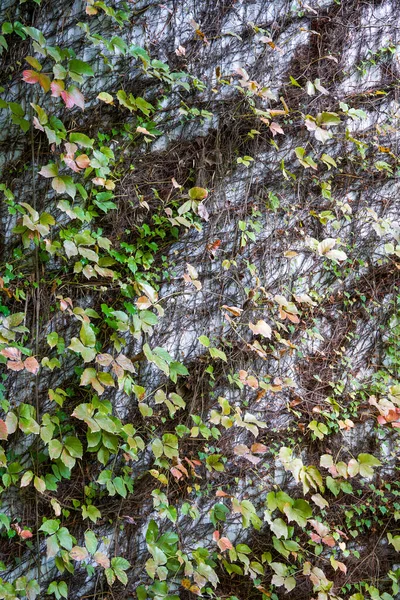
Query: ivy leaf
(50,526)
(65,538)
(299,512)
(394,540)
(74,446)
(81,139)
(50,170)
(91,512)
(105,97)
(102,560)
(34,77)
(119,485)
(198,193)
(110,576)
(261,328)
(87,335)
(55,449)
(366,462)
(58,185)
(280,528)
(157,447)
(91,542)
(26,478)
(78,553)
(39,484)
(73,97)
(80,67)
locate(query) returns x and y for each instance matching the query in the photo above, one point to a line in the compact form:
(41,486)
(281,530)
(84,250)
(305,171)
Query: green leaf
(119,566)
(366,462)
(120,486)
(7,27)
(39,484)
(332,485)
(299,512)
(52,339)
(157,447)
(91,512)
(216,353)
(74,446)
(87,335)
(198,193)
(394,540)
(203,339)
(81,139)
(109,573)
(279,527)
(55,449)
(65,538)
(80,67)
(50,526)
(90,541)
(26,478)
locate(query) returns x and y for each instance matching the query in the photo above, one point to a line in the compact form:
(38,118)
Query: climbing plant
(108,432)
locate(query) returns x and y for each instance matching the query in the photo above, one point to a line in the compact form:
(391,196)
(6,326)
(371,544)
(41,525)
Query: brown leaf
(32,365)
(143,302)
(78,553)
(275,128)
(83,161)
(259,448)
(102,560)
(104,360)
(234,310)
(261,328)
(125,362)
(15,365)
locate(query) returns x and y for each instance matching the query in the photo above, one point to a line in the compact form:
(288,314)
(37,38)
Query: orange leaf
(25,534)
(32,365)
(224,544)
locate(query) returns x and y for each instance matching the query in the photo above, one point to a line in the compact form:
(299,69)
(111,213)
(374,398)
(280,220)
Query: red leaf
(3,430)
(11,353)
(25,534)
(34,77)
(73,97)
(56,88)
(177,474)
(71,164)
(30,76)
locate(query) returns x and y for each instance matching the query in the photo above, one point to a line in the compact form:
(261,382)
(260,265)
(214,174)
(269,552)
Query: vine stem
(36,329)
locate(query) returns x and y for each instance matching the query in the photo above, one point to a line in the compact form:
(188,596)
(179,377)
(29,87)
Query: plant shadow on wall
(199,301)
